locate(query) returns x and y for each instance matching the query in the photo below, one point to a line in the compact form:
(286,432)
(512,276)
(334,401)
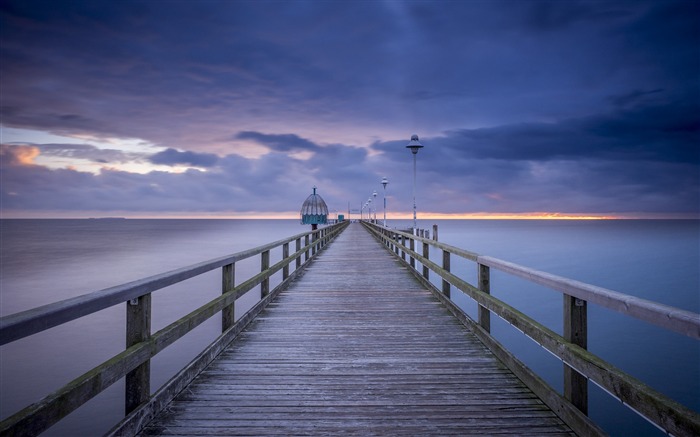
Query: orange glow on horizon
(513,216)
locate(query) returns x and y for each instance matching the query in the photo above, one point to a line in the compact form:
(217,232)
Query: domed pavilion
(314,211)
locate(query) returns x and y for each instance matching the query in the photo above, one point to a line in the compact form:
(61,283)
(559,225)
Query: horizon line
(354,216)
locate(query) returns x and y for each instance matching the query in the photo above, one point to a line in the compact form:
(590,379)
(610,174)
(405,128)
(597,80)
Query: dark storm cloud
(171,156)
(634,97)
(654,133)
(579,106)
(279,143)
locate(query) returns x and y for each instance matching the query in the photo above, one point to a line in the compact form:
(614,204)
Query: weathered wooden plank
(358,430)
(342,421)
(343,352)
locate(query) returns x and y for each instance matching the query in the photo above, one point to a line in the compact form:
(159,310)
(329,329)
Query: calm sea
(43,261)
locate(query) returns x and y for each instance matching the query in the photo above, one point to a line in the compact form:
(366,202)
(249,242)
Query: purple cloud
(175,157)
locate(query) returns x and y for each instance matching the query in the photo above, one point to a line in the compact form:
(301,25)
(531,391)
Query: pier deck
(356,346)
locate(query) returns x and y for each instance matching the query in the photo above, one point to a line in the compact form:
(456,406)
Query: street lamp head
(375,194)
(414,145)
(385,181)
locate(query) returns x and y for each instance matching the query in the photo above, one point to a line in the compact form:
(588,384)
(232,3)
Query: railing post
(426,255)
(298,248)
(264,265)
(446,266)
(403,243)
(306,246)
(138,329)
(435,232)
(576,332)
(285,255)
(314,242)
(484,278)
(413,249)
(228,283)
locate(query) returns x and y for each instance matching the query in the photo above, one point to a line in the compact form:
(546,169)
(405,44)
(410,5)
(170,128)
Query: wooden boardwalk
(356,346)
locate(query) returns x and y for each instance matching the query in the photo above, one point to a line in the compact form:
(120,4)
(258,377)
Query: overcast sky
(239,108)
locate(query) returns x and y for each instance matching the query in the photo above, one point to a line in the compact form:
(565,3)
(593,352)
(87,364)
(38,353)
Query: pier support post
(264,265)
(446,266)
(138,329)
(426,255)
(576,332)
(285,255)
(228,283)
(484,278)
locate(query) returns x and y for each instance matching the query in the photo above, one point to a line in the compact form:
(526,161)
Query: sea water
(43,261)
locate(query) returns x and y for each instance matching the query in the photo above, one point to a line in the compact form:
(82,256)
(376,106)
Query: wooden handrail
(26,323)
(41,415)
(656,407)
(668,317)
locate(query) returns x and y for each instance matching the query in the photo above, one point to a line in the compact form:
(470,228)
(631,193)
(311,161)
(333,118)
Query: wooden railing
(571,348)
(134,362)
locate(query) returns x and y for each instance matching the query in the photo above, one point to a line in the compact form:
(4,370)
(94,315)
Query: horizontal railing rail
(580,365)
(668,317)
(134,362)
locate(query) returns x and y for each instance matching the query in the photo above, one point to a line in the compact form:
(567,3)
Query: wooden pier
(351,336)
(356,346)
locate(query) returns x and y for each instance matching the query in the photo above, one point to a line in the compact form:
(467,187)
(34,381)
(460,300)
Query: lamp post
(369,202)
(414,145)
(385,181)
(374,194)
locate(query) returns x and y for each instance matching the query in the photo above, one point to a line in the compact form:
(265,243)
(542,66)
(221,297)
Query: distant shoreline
(107,218)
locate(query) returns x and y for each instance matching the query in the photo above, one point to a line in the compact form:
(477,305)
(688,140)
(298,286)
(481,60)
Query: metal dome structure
(314,210)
